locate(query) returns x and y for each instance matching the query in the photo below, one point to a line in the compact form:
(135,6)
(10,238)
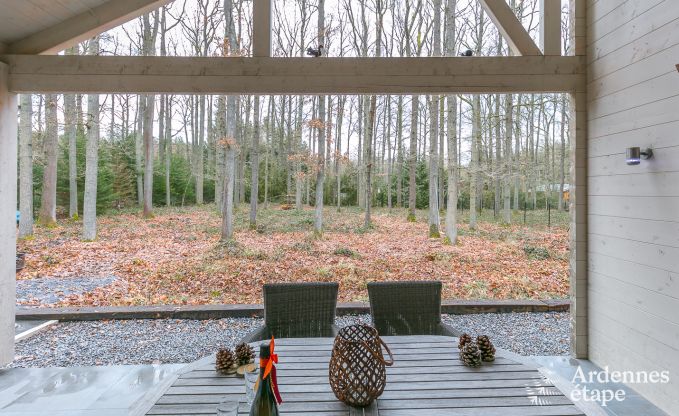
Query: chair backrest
(300,309)
(406,308)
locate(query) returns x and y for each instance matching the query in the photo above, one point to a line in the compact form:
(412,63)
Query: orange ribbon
(268,365)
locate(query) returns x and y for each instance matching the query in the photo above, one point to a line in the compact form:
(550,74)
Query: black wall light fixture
(635,155)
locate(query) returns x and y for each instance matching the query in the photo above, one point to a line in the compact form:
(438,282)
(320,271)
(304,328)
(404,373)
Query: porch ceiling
(48,26)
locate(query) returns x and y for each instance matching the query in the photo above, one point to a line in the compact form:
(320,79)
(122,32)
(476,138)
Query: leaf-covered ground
(176,257)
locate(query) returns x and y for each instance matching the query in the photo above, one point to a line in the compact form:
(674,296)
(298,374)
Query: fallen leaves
(176,257)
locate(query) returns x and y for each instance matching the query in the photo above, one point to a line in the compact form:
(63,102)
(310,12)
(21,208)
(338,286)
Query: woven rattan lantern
(357,366)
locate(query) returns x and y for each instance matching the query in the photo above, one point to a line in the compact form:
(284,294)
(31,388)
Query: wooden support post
(550,27)
(261,29)
(510,27)
(578,192)
(8,204)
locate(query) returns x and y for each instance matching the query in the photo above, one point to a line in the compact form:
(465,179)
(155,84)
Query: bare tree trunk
(138,149)
(474,164)
(320,174)
(168,149)
(71,135)
(298,149)
(148,155)
(517,153)
(497,171)
(220,150)
(442,150)
(254,167)
(229,166)
(200,164)
(48,207)
(434,220)
(243,135)
(230,141)
(390,154)
(399,153)
(412,159)
(338,149)
(150,32)
(26,167)
(369,128)
(509,129)
(91,159)
(451,127)
(562,165)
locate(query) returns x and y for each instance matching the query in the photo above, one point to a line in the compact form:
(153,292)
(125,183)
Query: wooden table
(427,378)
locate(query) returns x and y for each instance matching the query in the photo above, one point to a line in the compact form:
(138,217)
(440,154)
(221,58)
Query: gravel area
(181,341)
(47,291)
(523,333)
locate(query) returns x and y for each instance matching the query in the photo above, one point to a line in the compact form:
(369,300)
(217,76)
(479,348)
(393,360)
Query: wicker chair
(408,308)
(298,310)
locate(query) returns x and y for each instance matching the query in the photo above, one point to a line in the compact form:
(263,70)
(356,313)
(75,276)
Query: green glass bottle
(264,403)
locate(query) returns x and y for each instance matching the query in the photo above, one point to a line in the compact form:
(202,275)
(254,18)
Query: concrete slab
(565,368)
(24,329)
(21,326)
(83,391)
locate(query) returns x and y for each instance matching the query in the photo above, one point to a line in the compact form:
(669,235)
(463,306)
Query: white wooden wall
(633,211)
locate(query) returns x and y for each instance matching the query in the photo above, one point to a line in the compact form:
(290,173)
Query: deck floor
(427,378)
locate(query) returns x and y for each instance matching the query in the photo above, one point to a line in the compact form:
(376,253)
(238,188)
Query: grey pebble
(70,344)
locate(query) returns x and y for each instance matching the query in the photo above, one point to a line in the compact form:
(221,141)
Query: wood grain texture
(427,378)
(8,206)
(510,27)
(88,74)
(73,28)
(633,94)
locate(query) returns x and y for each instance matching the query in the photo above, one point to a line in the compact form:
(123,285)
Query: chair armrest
(448,331)
(258,334)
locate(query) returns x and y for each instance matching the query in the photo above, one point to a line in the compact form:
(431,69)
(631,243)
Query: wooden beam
(84,26)
(8,204)
(194,75)
(510,27)
(550,27)
(261,29)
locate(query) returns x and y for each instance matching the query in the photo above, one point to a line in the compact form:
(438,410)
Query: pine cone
(464,339)
(486,347)
(244,354)
(471,356)
(225,360)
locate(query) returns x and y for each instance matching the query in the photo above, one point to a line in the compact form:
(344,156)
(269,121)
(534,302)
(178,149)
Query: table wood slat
(426,379)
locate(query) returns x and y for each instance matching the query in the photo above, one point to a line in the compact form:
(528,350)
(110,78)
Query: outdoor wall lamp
(635,155)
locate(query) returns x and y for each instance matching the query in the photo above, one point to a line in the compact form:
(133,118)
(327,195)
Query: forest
(461,159)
